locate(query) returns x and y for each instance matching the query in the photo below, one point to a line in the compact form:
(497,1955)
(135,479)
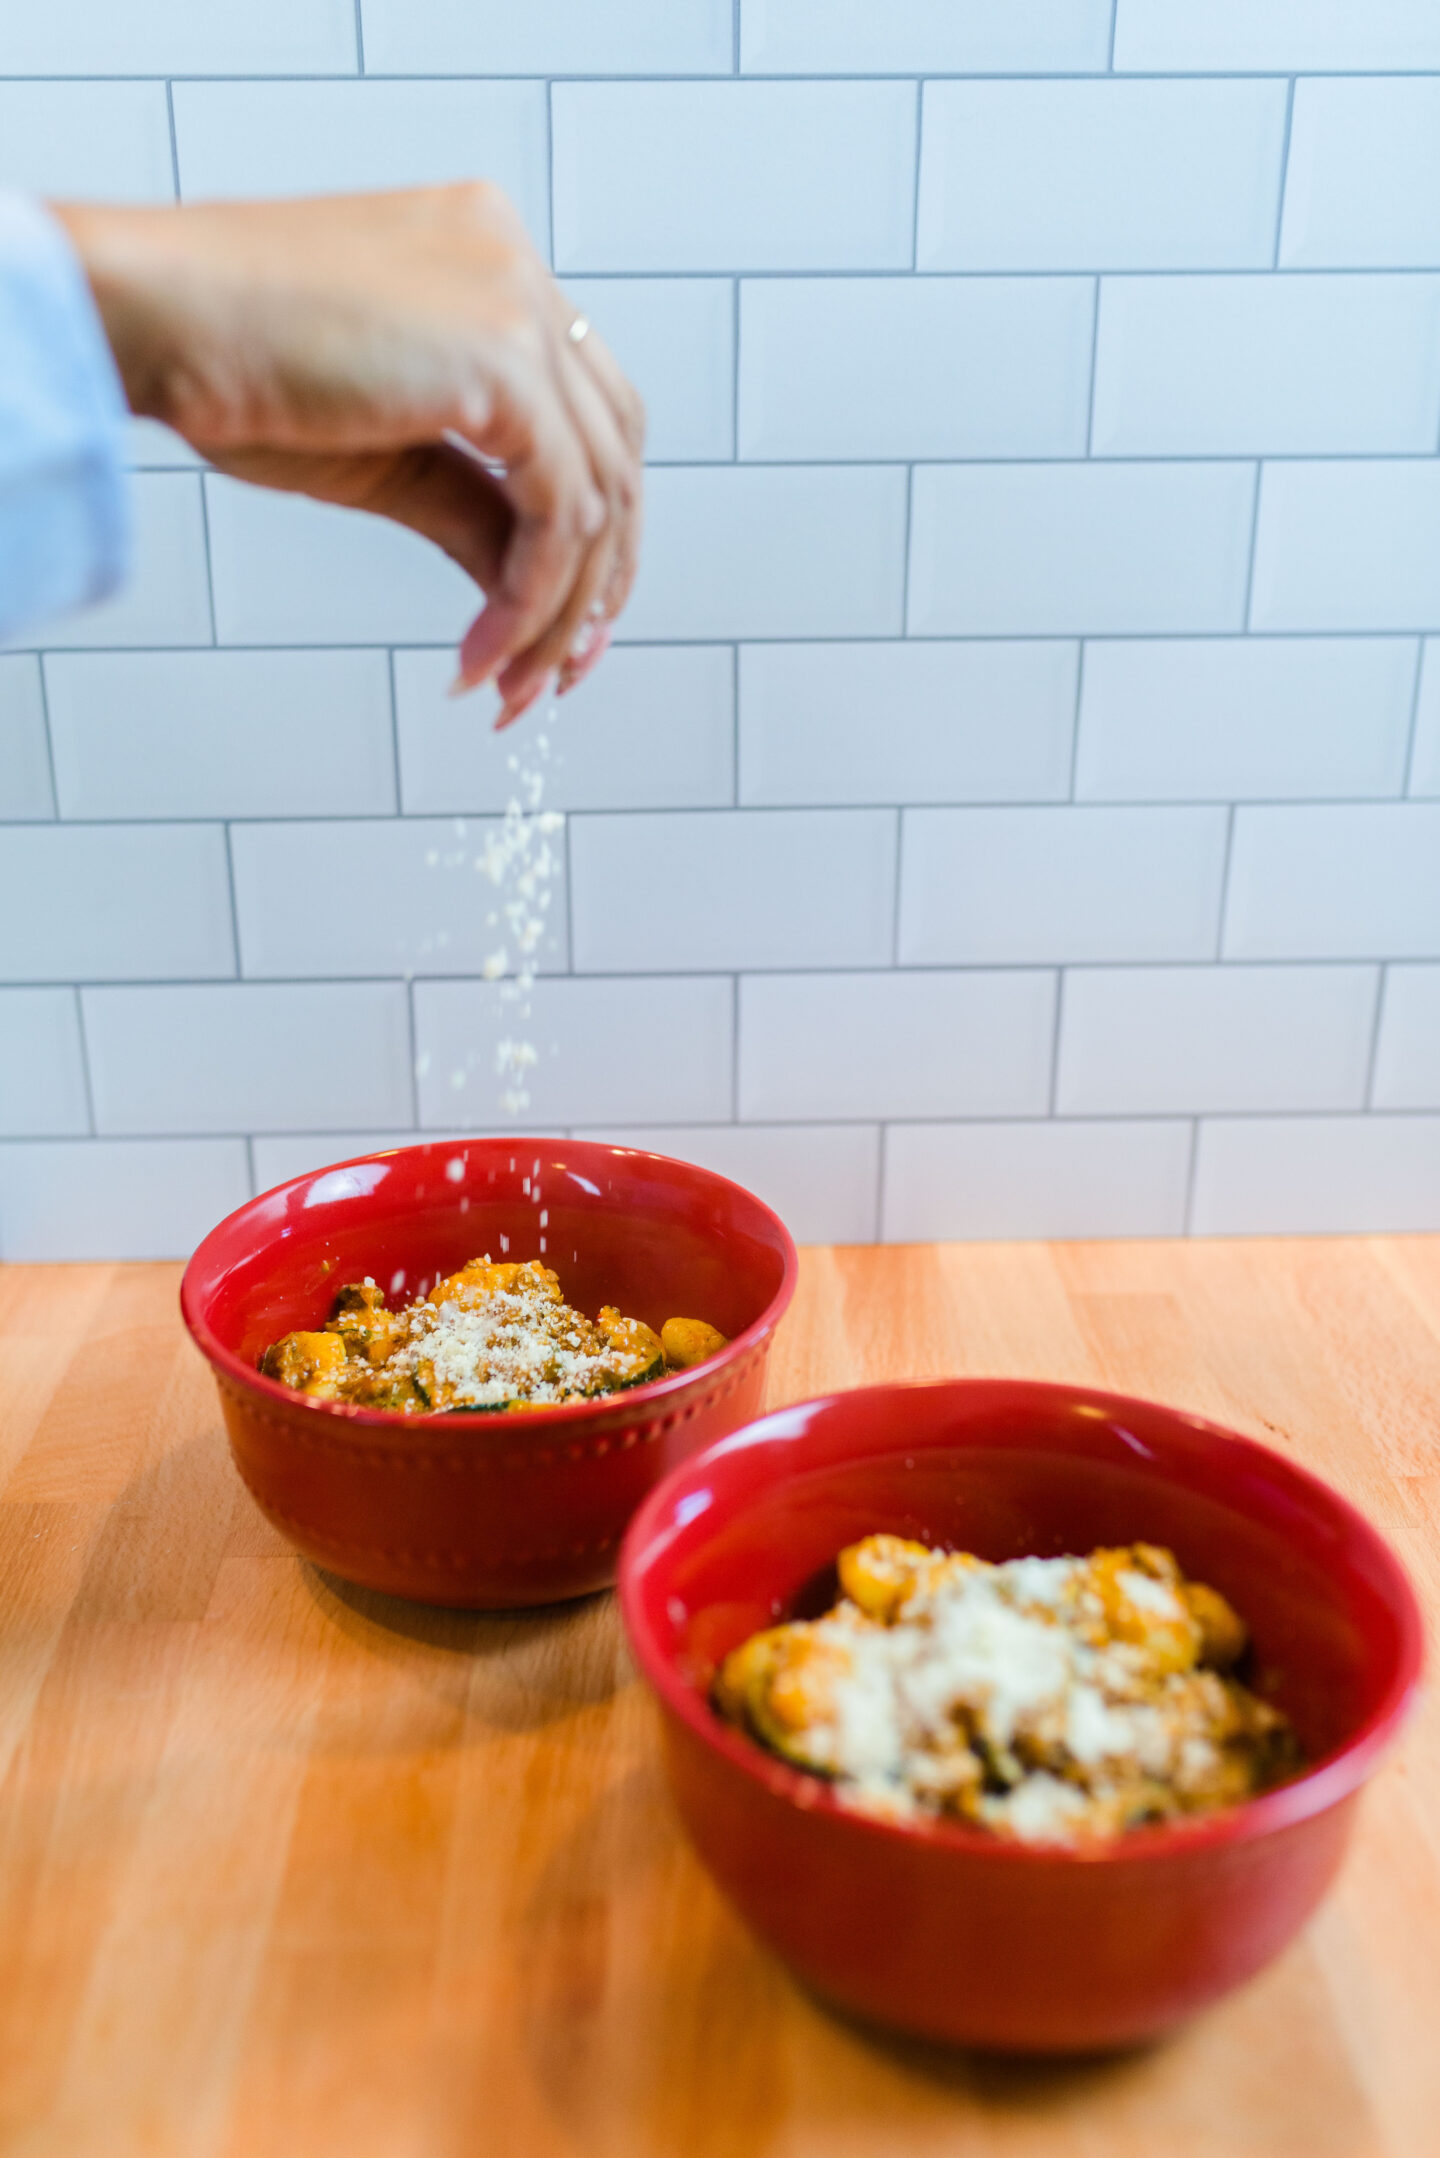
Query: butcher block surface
(291,1868)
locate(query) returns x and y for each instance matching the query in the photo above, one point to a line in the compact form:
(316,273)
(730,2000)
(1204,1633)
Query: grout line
(1094,371)
(1059,1014)
(1075,722)
(414,1049)
(912,969)
(717,76)
(1254,544)
(734,370)
(1284,171)
(899,887)
(234,909)
(395,731)
(174,141)
(1114,22)
(1414,742)
(1224,908)
(85,1074)
(549,166)
(569,968)
(976,274)
(834,810)
(249,1138)
(54,816)
(1429,1117)
(735,1048)
(1187,1216)
(915,204)
(359,39)
(1381,989)
(838,636)
(882,1149)
(209,567)
(793,461)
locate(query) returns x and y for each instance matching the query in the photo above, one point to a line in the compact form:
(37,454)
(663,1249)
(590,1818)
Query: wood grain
(289,1868)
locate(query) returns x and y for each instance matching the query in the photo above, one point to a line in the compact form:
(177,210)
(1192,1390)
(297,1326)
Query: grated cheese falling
(521,860)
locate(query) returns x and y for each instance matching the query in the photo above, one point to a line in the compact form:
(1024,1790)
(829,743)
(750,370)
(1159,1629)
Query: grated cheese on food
(1045,1699)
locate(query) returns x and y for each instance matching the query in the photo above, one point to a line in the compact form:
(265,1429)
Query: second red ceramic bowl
(484,1511)
(941,1929)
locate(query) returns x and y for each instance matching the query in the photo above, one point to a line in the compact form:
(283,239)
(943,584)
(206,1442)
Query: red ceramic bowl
(940,1929)
(484,1511)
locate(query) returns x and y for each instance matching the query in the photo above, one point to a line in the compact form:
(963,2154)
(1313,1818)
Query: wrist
(128,257)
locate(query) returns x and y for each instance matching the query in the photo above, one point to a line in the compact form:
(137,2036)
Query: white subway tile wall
(1032,886)
(42,1064)
(1425,760)
(654,728)
(88,141)
(307,138)
(261,1056)
(734,176)
(916,367)
(1100,175)
(1230,35)
(637,1051)
(25,786)
(730,889)
(675,338)
(896,722)
(771,551)
(1236,366)
(822,1179)
(375,897)
(1234,718)
(174,37)
(1407,1053)
(287,570)
(1015,550)
(896,1044)
(853,37)
(1348,545)
(1012,806)
(167,600)
(1336,881)
(221,734)
(1363,186)
(1067,1179)
(1150,1041)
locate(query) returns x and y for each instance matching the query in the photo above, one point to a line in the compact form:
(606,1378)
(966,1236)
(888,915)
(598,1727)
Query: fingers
(559,514)
(624,399)
(608,570)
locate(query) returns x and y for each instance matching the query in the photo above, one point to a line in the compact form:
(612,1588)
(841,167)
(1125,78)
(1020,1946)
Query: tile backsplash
(1013,805)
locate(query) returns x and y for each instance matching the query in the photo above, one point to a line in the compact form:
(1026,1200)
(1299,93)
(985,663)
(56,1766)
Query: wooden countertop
(288,1868)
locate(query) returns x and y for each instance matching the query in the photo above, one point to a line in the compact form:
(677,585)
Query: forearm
(406,353)
(128,262)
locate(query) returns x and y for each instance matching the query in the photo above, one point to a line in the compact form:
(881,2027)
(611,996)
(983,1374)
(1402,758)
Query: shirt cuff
(64,496)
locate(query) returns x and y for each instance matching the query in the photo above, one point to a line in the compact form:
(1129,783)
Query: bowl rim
(1319,1787)
(204,1269)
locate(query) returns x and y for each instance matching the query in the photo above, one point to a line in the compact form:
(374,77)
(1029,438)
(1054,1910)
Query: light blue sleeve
(64,501)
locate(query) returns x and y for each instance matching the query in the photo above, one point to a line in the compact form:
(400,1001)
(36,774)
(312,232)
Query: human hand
(407,354)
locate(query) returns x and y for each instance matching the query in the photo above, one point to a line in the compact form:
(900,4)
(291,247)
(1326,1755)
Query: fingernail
(484,644)
(512,712)
(576,667)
